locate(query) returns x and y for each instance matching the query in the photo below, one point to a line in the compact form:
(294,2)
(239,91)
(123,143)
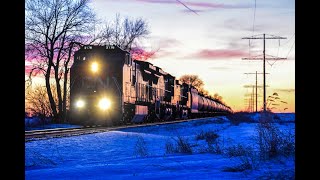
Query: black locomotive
(108,87)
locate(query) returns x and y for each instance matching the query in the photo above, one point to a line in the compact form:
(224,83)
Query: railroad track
(67,132)
(57,133)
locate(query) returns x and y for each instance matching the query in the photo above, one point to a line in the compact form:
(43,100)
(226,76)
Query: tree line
(198,83)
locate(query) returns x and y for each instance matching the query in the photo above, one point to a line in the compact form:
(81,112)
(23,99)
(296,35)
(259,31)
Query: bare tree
(124,32)
(196,82)
(37,101)
(193,80)
(217,97)
(204,92)
(53,30)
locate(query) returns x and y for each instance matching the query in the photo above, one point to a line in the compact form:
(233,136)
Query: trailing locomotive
(108,88)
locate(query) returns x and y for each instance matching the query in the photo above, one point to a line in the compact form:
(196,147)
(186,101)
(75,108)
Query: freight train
(109,87)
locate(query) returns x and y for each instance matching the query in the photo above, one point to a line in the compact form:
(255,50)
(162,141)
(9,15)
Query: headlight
(80,104)
(104,104)
(94,67)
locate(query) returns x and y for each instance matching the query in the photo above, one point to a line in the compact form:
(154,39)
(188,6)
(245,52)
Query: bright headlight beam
(80,104)
(104,104)
(94,67)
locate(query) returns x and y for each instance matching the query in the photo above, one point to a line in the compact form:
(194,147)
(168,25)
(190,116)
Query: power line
(288,40)
(290,48)
(254,16)
(272,63)
(282,46)
(278,48)
(188,7)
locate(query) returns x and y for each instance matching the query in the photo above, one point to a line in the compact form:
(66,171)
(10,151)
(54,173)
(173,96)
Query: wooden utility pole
(264,60)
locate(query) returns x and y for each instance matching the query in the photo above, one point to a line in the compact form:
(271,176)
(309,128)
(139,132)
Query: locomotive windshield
(91,85)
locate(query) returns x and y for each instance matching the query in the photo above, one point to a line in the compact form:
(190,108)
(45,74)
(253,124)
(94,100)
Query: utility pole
(250,100)
(256,86)
(264,60)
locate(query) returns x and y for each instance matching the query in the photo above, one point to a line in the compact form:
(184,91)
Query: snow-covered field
(173,151)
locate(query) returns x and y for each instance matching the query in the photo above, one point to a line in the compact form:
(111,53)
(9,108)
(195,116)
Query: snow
(140,153)
(34,123)
(280,117)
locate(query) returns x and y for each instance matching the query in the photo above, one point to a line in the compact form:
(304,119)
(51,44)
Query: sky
(140,153)
(204,37)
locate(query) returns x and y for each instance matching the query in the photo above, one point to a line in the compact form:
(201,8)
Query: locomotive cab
(95,85)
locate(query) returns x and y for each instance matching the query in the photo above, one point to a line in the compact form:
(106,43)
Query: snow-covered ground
(34,123)
(52,126)
(151,153)
(277,117)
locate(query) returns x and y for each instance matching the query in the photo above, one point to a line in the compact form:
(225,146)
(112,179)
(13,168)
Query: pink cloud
(219,54)
(197,4)
(214,5)
(159,1)
(141,54)
(27,69)
(28,65)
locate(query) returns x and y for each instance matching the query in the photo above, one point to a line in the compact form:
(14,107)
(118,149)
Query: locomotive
(108,87)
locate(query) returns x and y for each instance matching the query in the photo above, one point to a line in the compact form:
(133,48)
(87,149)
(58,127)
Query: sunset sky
(204,37)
